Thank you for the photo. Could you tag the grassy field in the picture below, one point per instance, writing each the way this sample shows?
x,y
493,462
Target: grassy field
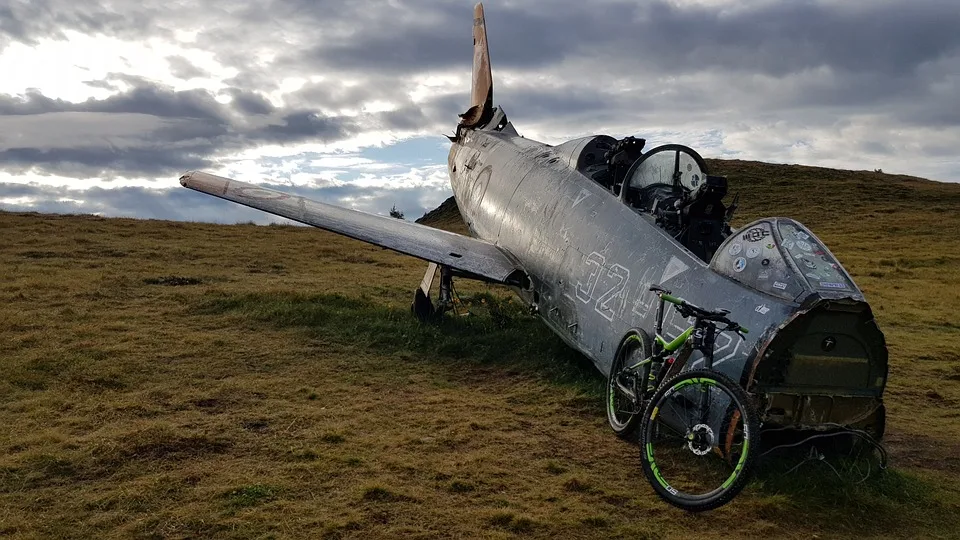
x,y
174,380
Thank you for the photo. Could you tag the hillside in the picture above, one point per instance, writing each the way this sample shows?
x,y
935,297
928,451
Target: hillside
x,y
171,380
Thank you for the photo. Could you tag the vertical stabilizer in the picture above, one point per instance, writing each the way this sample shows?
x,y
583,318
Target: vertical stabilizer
x,y
481,107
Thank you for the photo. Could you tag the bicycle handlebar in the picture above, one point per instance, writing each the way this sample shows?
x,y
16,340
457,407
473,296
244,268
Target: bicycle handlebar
x,y
687,309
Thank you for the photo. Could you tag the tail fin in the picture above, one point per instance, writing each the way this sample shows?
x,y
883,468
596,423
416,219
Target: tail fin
x,y
481,109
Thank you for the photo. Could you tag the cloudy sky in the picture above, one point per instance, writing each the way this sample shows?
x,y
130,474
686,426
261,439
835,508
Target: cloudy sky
x,y
103,103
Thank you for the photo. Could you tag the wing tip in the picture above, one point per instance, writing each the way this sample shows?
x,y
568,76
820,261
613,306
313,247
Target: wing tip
x,y
186,177
205,182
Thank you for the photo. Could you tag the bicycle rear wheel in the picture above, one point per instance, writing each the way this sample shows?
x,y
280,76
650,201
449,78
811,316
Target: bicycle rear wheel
x,y
698,440
621,401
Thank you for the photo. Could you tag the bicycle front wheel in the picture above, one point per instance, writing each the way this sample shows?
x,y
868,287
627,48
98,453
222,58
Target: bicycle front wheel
x,y
698,440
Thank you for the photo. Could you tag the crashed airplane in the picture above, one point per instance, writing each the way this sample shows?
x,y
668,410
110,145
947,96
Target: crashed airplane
x,y
581,231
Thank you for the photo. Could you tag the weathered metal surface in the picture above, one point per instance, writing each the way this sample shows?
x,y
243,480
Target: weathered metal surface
x,y
469,255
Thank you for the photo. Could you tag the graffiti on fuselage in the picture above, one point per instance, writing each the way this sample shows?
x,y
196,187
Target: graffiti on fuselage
x,y
610,303
605,286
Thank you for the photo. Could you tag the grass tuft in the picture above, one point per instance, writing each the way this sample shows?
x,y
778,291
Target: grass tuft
x,y
247,496
333,438
513,523
577,485
555,468
379,494
458,486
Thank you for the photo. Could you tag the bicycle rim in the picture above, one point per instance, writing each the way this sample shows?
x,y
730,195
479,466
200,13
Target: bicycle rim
x,y
696,440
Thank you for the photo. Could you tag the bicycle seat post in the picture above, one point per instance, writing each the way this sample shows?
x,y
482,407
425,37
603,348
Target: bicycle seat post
x,y
659,328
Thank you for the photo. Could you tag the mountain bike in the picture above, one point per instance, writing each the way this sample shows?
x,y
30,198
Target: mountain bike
x,y
696,428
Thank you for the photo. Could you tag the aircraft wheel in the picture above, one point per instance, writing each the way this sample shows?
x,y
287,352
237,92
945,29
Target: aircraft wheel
x,y
623,410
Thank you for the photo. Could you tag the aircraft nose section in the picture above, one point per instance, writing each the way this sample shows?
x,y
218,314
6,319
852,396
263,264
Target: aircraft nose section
x,y
826,365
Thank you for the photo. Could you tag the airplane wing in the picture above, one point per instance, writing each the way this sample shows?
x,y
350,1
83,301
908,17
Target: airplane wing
x,y
471,256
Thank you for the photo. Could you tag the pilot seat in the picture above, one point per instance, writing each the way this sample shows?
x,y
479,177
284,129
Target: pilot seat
x,y
671,184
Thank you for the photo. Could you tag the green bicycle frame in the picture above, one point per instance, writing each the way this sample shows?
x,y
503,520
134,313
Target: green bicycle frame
x,y
665,347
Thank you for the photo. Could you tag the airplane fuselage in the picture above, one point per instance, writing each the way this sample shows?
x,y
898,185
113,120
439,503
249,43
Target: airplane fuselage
x,y
590,258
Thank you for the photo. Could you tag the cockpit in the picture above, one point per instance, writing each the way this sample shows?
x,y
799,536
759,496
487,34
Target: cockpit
x,y
669,183
671,186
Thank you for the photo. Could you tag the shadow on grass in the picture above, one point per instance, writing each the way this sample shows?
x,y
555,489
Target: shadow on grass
x,y
496,332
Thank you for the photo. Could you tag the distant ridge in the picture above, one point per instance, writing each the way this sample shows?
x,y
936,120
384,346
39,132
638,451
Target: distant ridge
x,y
446,216
446,210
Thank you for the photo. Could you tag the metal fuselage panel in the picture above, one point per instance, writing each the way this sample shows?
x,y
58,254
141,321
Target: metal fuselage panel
x,y
591,258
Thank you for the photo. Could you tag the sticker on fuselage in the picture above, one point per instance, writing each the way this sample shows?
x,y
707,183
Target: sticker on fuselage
x,y
756,234
739,264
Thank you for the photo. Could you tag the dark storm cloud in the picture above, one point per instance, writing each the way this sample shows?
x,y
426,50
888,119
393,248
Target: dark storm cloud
x,y
845,57
182,68
302,125
771,38
28,21
180,130
161,102
32,103
780,38
146,98
94,161
250,103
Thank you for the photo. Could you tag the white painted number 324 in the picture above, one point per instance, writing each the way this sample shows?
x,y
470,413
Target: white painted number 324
x,y
611,302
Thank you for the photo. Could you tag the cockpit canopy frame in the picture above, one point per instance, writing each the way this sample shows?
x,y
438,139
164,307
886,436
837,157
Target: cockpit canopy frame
x,y
781,257
657,170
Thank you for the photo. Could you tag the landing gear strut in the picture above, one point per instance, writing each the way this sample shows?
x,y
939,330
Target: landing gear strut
x,y
422,307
